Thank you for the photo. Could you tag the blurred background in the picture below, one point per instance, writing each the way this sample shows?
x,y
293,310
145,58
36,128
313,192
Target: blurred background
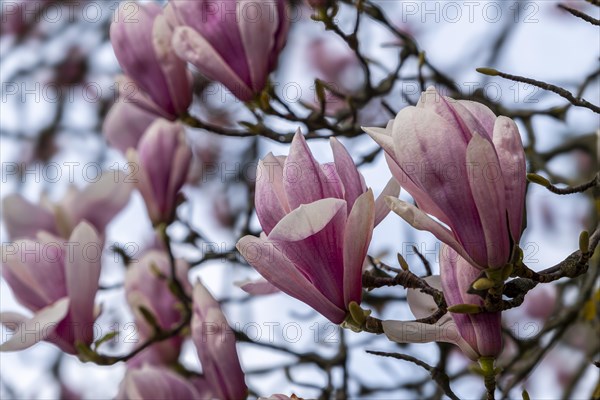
x,y
58,72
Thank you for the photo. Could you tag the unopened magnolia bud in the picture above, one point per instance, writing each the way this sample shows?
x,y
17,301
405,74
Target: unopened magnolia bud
x,y
465,309
540,180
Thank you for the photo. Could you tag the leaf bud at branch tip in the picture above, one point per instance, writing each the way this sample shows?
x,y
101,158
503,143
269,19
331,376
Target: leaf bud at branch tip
x,y
540,180
488,71
402,262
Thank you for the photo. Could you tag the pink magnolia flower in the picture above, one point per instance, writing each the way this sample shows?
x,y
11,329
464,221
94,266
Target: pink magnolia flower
x,y
163,159
57,280
477,335
98,204
146,286
233,42
318,222
223,377
141,38
464,166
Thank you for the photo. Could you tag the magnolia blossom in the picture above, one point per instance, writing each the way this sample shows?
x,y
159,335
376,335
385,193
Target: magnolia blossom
x,y
57,280
163,159
464,166
477,335
146,286
97,204
222,376
141,38
233,42
318,222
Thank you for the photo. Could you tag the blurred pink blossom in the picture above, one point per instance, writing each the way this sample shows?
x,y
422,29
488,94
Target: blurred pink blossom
x,y
57,280
97,204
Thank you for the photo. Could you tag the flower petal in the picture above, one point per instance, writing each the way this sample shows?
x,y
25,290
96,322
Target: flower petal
x,y
39,327
306,220
509,147
100,201
421,304
156,382
357,237
382,136
444,107
195,49
416,332
125,124
257,287
23,219
216,346
258,37
177,78
277,269
270,199
305,181
381,208
487,187
347,171
312,237
481,113
421,221
82,275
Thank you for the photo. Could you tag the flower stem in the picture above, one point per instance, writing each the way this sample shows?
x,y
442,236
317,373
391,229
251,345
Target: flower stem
x,y
489,375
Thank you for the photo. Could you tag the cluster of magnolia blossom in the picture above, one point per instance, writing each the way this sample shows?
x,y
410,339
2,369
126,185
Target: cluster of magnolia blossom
x,y
153,45
318,226
460,163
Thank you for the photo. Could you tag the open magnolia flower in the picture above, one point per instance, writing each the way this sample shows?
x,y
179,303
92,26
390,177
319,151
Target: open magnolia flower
x,y
477,335
97,204
57,280
318,222
464,166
